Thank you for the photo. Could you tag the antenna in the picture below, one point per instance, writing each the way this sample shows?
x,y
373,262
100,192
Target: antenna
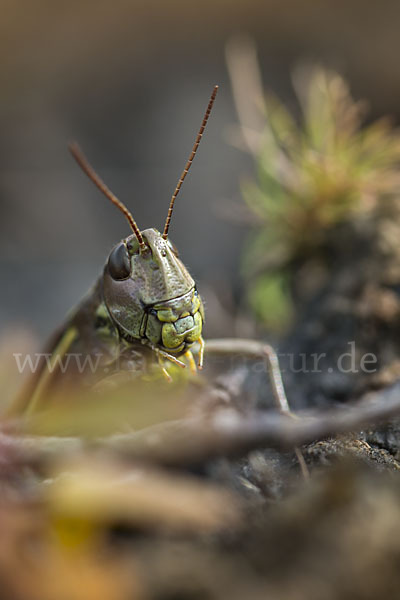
x,y
90,172
189,162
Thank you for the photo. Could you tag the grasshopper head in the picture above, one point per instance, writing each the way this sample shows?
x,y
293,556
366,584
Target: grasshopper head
x,y
150,294
147,289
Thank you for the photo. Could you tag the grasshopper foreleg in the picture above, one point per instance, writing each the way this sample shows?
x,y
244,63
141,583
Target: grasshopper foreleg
x,y
258,350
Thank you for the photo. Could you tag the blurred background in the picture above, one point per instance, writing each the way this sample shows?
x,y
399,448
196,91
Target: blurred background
x,y
290,223
130,82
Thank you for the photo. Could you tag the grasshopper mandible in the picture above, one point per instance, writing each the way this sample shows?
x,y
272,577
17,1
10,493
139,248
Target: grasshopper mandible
x,y
143,309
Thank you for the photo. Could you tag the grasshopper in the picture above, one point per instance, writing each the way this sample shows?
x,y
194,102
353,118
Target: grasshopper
x,y
144,310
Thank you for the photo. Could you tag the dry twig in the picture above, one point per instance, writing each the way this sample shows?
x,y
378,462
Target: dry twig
x,y
196,440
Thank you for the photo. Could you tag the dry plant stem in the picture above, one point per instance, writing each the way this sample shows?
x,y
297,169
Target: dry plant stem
x,y
247,89
259,350
195,441
191,441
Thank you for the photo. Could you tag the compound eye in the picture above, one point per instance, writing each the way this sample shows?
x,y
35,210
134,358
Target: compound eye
x,y
119,264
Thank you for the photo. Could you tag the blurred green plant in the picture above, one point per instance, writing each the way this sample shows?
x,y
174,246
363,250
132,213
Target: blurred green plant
x,y
312,174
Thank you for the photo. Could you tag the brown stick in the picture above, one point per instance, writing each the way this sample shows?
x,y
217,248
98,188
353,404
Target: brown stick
x,y
191,441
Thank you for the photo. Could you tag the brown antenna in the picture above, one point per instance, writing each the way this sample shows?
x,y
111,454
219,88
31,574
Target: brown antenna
x,y
90,172
189,162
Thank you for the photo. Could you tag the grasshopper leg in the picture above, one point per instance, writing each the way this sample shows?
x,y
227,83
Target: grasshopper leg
x,y
163,369
191,361
257,350
160,355
39,396
201,353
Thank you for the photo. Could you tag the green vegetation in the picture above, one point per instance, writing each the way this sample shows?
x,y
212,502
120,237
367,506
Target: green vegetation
x,y
312,174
